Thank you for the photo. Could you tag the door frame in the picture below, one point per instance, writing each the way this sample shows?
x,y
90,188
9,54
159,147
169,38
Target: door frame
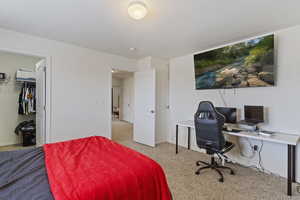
x,y
110,94
110,102
48,86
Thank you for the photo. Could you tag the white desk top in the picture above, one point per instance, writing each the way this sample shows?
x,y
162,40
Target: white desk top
x,y
282,138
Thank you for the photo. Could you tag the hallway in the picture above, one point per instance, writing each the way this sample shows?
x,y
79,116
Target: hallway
x,y
122,131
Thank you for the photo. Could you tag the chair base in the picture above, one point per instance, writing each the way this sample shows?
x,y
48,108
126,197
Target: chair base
x,y
214,166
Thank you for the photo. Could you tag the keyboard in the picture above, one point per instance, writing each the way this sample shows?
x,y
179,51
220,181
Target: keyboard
x,y
232,130
266,133
235,130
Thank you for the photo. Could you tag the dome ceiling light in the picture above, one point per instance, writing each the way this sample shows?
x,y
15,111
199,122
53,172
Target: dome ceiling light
x,y
137,10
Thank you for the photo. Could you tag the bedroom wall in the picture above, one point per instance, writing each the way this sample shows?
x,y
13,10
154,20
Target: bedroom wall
x,y
281,101
80,84
9,95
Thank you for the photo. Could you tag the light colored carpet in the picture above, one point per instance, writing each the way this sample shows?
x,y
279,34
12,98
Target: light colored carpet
x,y
122,131
247,184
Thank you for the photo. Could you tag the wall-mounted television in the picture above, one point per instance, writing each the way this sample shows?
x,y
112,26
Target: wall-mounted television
x,y
245,64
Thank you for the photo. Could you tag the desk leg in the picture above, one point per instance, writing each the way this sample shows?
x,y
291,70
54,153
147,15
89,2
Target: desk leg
x,y
189,137
176,139
290,170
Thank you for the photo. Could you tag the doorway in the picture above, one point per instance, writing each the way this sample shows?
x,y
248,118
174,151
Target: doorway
x,y
137,107
23,100
122,110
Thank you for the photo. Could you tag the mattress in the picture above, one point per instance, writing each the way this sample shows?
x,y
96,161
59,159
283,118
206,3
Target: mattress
x,y
96,168
93,168
23,175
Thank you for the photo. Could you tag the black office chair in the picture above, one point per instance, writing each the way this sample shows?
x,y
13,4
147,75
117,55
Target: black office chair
x,y
209,124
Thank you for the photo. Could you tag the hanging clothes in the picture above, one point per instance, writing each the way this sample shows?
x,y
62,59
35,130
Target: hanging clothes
x,y
27,99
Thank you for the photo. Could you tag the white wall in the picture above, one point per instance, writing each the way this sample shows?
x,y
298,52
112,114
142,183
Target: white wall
x,y
80,84
128,99
9,95
282,101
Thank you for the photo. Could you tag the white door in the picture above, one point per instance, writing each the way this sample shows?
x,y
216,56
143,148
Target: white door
x,y
144,110
40,102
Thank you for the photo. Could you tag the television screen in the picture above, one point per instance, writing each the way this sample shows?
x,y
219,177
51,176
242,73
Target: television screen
x,y
245,64
254,114
229,114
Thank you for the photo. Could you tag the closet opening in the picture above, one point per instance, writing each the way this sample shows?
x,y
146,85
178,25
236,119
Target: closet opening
x,y
122,105
22,101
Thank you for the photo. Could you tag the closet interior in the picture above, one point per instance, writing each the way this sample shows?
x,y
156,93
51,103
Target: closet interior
x,y
18,100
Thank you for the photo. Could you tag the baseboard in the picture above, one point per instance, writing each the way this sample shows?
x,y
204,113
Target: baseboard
x,y
161,141
122,120
10,144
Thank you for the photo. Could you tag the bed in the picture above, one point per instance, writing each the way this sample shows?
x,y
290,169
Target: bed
x,y
93,168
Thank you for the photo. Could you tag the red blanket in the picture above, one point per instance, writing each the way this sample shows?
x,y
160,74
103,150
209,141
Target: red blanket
x,y
96,168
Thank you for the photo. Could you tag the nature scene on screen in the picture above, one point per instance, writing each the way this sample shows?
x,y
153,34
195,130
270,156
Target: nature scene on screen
x,y
246,64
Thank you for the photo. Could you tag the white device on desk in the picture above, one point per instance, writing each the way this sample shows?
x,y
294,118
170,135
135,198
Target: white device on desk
x,y
266,133
247,126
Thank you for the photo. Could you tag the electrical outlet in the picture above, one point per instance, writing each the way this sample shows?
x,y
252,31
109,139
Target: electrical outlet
x,y
255,148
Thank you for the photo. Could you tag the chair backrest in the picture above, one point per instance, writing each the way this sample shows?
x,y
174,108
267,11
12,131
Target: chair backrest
x,y
208,125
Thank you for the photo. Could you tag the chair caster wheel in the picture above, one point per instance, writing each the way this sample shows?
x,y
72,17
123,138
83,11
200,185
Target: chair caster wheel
x,y
197,173
198,164
232,173
221,180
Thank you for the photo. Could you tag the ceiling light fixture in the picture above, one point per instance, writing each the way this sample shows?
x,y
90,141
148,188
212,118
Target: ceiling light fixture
x,y
137,10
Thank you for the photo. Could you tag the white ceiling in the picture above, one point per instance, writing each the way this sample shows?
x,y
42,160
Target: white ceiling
x,y
172,28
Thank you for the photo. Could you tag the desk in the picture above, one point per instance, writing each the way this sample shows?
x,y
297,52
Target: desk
x,y
281,138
